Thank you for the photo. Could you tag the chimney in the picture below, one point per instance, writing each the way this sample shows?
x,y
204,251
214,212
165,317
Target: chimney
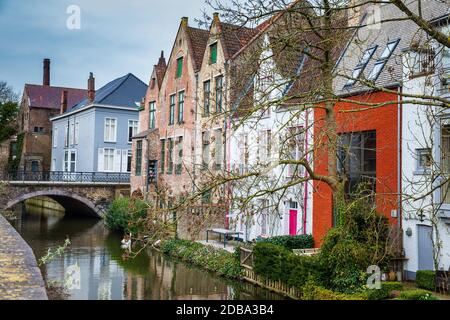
x,y
184,21
355,12
216,17
162,60
46,78
64,96
91,88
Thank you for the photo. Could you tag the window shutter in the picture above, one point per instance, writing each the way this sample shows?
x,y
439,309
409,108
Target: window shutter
x,y
124,160
117,160
101,159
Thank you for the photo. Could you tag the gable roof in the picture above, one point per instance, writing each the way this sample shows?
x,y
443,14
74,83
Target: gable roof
x,y
49,97
394,27
235,37
122,92
198,40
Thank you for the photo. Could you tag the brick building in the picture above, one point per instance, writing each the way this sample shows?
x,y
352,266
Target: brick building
x,y
40,103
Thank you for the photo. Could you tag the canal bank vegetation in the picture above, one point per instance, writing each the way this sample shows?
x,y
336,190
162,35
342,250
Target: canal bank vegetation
x,y
207,257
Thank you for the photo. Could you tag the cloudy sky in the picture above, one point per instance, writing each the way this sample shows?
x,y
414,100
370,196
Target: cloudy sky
x,y
115,37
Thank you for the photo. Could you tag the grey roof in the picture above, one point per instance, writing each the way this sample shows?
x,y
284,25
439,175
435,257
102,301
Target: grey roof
x,y
122,92
368,36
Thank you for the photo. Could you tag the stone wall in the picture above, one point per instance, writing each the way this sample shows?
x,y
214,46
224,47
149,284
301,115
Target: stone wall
x,y
20,276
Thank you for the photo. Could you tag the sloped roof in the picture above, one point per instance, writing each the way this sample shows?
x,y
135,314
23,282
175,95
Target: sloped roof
x,y
236,37
199,40
122,92
392,28
48,97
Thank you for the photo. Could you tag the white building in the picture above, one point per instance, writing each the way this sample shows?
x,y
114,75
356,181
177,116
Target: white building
x,y
257,143
425,160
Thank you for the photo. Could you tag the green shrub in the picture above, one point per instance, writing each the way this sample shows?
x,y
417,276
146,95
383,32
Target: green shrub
x,y
426,279
417,295
207,257
291,242
311,291
384,292
279,264
126,215
359,241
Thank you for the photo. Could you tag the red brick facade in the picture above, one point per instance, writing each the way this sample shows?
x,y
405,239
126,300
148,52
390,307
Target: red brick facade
x,y
383,120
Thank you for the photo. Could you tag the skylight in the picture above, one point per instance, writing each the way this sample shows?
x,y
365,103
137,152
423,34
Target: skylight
x,y
382,60
361,66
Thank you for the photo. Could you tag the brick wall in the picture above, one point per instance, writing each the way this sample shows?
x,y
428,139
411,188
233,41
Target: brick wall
x,y
384,120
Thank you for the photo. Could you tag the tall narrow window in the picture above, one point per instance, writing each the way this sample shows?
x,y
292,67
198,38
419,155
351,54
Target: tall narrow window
x,y
170,157
152,115
219,93
205,150
129,160
110,130
70,160
172,110
295,140
213,53
108,160
243,153
179,67
163,156
138,167
206,98
132,129
265,146
357,160
218,149
181,107
179,165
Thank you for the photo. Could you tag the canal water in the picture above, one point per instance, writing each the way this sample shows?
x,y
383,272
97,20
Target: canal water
x,y
93,268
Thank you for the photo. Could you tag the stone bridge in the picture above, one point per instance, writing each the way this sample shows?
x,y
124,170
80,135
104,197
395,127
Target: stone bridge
x,y
77,197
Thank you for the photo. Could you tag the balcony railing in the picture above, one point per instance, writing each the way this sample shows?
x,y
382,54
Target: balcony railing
x,y
68,177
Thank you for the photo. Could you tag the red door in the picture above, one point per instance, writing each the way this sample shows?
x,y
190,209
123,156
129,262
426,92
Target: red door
x,y
293,222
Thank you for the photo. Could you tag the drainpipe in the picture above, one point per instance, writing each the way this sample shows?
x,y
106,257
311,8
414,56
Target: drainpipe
x,y
194,173
399,155
226,126
147,170
305,203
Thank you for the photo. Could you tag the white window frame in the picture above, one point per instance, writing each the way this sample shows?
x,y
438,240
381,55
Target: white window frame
x,y
107,137
134,124
105,162
67,163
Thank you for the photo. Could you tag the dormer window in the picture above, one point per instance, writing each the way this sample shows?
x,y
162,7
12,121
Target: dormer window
x,y
368,54
382,60
213,53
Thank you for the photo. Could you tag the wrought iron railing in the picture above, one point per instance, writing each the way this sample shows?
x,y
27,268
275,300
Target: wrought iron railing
x,y
62,176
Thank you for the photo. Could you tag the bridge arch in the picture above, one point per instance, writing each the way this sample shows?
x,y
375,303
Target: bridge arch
x,y
72,202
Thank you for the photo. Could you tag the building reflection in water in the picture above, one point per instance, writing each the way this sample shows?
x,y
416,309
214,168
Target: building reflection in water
x,y
105,275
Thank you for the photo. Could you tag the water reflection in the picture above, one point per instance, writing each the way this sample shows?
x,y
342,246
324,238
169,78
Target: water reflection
x,y
105,275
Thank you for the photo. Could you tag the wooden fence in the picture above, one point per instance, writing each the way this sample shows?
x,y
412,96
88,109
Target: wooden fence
x,y
246,258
